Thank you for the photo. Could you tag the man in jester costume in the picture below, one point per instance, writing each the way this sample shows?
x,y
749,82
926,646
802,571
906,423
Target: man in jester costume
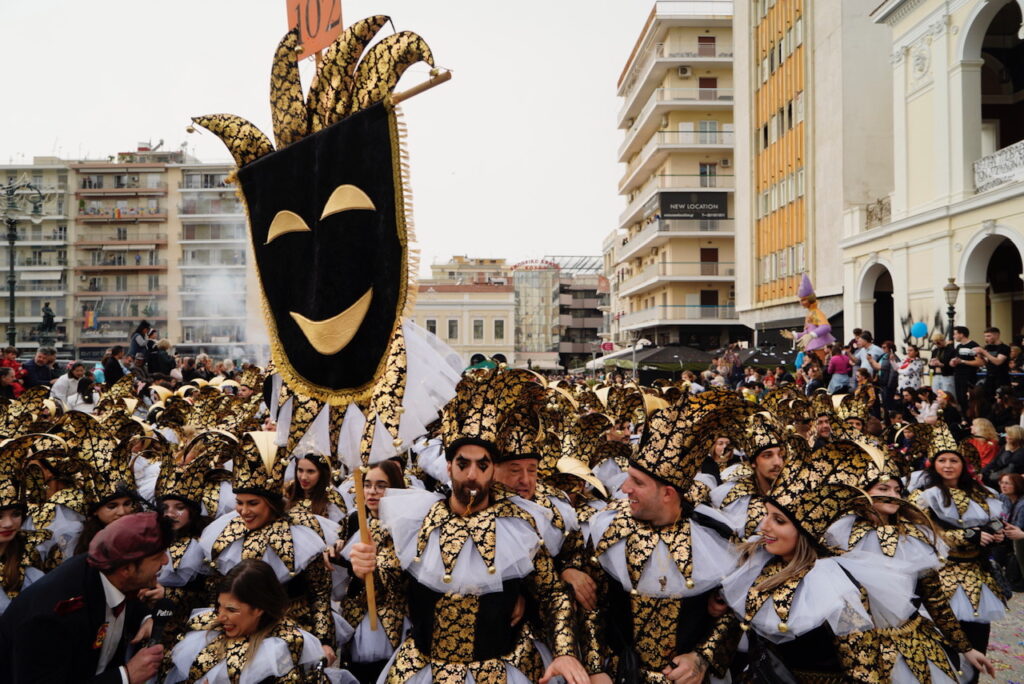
x,y
817,332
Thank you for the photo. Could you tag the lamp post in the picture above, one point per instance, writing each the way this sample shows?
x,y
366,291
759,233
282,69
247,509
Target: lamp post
x,y
13,212
951,290
638,344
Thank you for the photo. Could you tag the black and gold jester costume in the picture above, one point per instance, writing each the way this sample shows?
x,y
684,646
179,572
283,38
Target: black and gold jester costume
x,y
654,582
183,577
463,574
54,492
292,544
814,622
917,650
739,498
967,575
286,655
26,560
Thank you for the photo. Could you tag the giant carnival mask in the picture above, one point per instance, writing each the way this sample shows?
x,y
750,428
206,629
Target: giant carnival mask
x,y
327,209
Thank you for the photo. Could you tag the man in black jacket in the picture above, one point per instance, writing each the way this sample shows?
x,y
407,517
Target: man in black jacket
x,y
39,371
74,624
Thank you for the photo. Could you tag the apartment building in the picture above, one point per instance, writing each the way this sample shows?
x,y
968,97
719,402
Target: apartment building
x,y
151,234
672,260
813,95
41,271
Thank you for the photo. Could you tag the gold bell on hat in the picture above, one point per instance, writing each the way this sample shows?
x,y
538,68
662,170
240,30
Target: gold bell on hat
x,y
491,570
689,583
783,627
447,579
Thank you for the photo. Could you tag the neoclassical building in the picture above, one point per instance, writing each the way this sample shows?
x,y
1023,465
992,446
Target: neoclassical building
x,y
956,209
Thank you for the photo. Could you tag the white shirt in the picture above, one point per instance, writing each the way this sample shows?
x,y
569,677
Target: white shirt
x,y
65,388
115,627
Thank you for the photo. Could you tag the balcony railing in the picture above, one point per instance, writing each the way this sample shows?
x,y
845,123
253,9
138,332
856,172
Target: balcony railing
x,y
678,312
196,184
54,236
196,209
691,51
46,286
92,215
999,168
678,140
88,187
41,263
680,97
680,269
103,239
129,263
672,228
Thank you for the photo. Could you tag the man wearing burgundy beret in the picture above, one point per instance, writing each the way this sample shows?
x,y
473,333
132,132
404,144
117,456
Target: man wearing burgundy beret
x,y
75,624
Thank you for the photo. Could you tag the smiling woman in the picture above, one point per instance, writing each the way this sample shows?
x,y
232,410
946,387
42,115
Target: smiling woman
x,y
249,630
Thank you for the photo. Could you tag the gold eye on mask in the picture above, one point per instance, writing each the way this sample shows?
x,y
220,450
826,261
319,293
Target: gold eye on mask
x,y
285,222
346,198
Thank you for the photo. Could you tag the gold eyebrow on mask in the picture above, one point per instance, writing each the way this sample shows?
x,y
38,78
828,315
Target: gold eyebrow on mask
x,y
285,222
346,198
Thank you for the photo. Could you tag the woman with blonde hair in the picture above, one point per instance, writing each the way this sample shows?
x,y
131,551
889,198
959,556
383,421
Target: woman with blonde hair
x,y
985,439
1011,460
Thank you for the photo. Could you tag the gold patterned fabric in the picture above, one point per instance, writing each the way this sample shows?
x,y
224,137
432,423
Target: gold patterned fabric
x,y
233,651
524,657
312,609
258,467
756,510
28,558
391,603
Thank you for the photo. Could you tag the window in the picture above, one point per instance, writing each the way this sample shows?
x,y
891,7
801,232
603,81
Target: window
x,y
121,283
798,31
478,329
432,326
453,330
153,282
499,329
706,46
122,233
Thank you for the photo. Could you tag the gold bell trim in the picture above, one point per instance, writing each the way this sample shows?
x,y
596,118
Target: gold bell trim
x,y
447,579
783,627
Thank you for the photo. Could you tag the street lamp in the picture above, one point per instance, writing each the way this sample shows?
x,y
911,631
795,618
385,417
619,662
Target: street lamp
x,y
951,290
639,344
13,211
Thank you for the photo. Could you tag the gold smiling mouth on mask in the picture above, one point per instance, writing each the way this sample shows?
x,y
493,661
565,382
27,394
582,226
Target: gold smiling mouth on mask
x,y
331,335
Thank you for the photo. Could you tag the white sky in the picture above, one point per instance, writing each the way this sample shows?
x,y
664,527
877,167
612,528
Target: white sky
x,y
514,157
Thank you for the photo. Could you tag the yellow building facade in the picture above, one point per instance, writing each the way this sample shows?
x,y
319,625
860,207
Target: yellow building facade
x,y
956,206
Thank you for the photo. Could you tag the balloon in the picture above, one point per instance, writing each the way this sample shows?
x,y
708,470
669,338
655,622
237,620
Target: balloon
x,y
919,329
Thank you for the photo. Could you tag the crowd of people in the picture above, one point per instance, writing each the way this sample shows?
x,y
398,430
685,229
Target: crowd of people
x,y
730,525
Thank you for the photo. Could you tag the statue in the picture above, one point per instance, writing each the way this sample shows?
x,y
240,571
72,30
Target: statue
x,y
817,332
48,326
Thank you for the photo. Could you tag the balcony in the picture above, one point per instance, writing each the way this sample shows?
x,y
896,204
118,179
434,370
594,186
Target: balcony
x,y
678,314
663,100
650,67
47,264
53,237
86,290
126,265
223,207
122,215
567,321
999,168
129,189
678,271
663,143
661,231
37,289
192,263
682,182
197,184
99,240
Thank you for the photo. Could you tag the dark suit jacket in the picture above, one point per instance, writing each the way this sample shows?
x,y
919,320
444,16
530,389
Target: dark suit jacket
x,y
48,632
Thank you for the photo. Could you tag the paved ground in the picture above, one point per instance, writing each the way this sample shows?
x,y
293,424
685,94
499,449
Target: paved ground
x,y
1006,645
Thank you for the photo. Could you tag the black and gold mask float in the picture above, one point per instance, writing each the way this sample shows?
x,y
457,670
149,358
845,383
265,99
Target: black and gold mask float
x,y
327,211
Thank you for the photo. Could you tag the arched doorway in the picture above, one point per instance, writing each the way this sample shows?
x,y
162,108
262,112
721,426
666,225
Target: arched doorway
x,y
992,287
876,306
1002,78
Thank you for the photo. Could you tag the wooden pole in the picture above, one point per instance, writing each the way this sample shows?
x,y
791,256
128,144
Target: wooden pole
x,y
437,80
364,537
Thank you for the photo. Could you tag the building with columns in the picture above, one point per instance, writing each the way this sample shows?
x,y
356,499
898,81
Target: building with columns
x,y
955,209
